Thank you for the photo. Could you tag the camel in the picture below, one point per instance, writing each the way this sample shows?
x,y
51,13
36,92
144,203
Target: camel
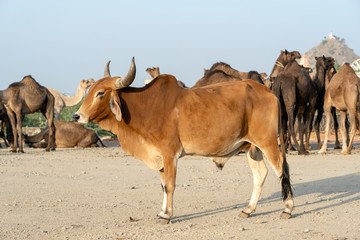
x,y
228,70
62,101
342,92
154,72
67,135
322,65
24,97
223,72
297,96
284,58
5,123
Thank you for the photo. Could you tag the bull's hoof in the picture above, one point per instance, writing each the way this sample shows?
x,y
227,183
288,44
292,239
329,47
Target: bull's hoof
x,y
285,215
13,150
164,218
21,151
244,214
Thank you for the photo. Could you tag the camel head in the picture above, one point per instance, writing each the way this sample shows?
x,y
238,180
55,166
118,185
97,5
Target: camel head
x,y
85,84
288,56
324,62
154,71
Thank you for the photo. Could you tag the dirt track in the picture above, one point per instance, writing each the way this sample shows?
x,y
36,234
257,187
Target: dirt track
x,y
92,193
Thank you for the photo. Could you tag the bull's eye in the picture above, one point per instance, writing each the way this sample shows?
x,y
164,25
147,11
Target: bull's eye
x,y
99,94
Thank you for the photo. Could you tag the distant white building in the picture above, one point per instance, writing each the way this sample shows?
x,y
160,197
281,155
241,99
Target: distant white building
x,y
331,36
356,66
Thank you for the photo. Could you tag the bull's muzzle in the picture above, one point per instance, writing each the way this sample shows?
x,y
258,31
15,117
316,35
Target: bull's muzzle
x,y
76,117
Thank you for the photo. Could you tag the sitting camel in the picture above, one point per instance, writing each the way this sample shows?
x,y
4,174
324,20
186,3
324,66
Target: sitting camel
x,y
62,101
343,93
227,70
67,135
24,97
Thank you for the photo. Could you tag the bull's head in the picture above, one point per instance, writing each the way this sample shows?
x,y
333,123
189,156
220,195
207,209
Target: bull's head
x,y
103,98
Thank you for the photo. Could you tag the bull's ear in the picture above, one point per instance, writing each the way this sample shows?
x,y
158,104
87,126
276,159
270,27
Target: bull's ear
x,y
115,106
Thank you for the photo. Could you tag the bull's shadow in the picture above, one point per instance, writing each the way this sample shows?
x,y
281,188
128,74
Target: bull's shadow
x,y
345,187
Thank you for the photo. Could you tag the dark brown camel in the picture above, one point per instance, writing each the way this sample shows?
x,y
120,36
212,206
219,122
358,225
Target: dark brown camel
x,y
24,97
67,135
5,124
322,65
284,58
343,93
223,72
297,95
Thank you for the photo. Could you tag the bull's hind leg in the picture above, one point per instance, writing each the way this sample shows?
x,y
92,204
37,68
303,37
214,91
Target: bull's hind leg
x,y
281,168
259,171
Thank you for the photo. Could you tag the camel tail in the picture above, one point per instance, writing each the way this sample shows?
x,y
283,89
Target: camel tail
x,y
285,176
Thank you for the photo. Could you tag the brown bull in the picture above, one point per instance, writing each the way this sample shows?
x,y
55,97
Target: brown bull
x,y
162,122
67,135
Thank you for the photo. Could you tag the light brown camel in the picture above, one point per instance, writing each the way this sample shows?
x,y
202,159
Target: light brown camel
x,y
67,135
154,72
62,101
342,92
24,97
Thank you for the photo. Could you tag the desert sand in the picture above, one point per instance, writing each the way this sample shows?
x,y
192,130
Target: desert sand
x,y
103,193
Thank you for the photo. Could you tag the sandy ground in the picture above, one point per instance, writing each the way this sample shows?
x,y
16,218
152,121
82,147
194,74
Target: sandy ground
x,y
92,193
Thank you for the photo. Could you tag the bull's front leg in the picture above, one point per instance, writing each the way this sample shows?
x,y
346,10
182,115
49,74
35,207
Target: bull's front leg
x,y
168,176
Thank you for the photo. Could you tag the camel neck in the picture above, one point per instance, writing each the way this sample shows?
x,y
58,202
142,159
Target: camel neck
x,y
320,77
71,101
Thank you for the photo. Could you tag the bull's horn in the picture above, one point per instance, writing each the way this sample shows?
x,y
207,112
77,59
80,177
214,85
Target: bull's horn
x,y
129,78
107,71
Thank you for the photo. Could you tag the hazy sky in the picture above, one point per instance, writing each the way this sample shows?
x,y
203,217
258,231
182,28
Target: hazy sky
x,y
61,42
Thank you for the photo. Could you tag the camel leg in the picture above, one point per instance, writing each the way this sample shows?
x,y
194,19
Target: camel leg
x,y
259,171
327,112
19,130
336,128
352,119
317,125
343,131
49,115
12,119
168,176
290,112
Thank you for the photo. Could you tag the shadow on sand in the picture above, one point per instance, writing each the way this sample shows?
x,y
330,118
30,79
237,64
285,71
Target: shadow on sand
x,y
333,192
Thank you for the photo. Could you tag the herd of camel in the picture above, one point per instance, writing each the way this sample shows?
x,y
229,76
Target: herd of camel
x,y
302,96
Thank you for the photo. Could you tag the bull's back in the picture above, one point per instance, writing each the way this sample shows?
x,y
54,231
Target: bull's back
x,y
216,119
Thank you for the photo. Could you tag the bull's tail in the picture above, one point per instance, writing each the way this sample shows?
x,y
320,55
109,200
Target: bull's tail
x,y
102,145
285,176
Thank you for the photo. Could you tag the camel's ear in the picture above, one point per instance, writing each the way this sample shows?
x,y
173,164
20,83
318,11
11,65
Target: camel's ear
x,y
316,58
324,57
115,106
286,51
